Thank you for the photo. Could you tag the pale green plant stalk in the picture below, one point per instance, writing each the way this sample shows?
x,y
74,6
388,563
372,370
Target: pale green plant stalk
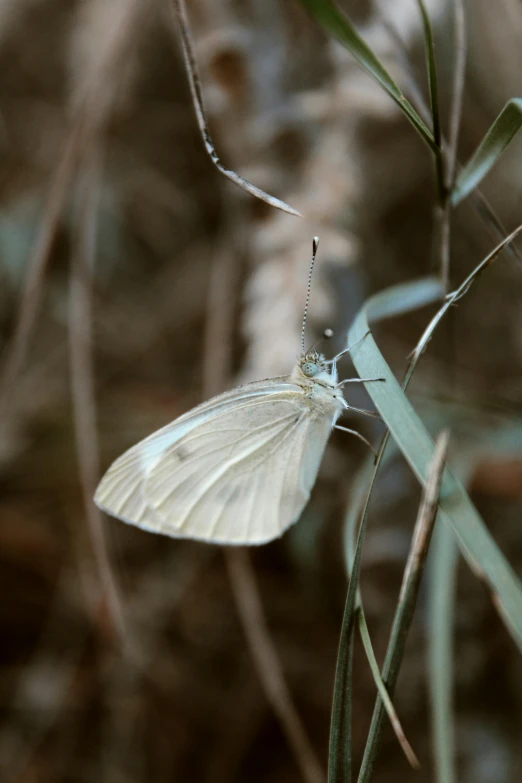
x,y
441,596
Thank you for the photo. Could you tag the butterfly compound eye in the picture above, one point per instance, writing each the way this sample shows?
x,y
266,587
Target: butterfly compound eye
x,y
310,369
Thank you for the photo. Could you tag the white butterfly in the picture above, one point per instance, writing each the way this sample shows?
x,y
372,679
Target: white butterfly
x,y
237,469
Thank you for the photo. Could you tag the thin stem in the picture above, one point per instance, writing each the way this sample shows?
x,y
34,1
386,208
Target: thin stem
x,y
340,742
340,747
442,208
443,573
443,221
452,147
381,687
339,750
454,298
434,101
407,599
459,73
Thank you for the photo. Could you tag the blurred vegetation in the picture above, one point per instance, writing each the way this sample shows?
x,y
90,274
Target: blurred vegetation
x,y
135,280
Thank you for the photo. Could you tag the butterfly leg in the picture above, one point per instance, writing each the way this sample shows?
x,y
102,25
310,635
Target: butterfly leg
x,y
357,435
373,414
359,380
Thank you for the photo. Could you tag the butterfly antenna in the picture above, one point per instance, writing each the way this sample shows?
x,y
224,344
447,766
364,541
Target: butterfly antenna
x,y
315,245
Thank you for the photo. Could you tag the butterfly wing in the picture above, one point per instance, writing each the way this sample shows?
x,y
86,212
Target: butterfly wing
x,y
238,469
120,491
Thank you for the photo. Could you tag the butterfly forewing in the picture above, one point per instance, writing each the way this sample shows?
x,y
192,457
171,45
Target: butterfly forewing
x,y
210,483
238,469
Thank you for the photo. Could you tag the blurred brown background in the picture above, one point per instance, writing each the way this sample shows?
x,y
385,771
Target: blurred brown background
x,y
123,655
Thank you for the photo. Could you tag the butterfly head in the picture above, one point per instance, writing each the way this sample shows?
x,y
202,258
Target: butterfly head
x,y
312,363
314,367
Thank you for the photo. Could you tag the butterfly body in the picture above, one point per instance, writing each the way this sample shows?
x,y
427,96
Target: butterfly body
x,y
237,469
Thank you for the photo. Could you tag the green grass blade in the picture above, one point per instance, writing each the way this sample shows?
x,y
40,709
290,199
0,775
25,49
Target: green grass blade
x,y
340,744
442,577
434,94
501,133
412,438
425,292
337,24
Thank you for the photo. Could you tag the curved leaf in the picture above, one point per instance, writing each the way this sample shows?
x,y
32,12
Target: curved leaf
x,y
408,431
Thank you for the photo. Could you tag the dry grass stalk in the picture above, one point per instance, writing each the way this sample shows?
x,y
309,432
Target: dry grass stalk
x,y
268,664
94,99
218,351
82,381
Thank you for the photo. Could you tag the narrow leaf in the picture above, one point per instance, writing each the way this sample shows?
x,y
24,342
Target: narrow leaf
x,y
460,43
339,26
501,133
340,745
434,95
